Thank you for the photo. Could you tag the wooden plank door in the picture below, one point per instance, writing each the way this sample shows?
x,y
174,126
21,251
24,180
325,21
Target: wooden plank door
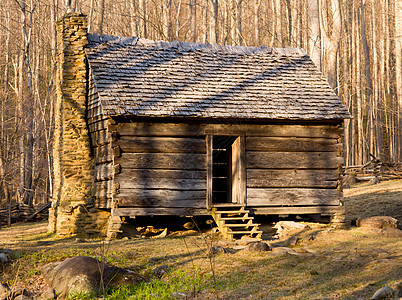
x,y
238,177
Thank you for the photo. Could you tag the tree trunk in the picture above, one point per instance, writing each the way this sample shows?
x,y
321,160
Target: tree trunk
x,y
315,33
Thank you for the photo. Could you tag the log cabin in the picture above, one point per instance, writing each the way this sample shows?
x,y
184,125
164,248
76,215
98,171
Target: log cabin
x,y
173,128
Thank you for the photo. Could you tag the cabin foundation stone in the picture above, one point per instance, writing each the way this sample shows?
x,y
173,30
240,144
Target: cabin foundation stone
x,y
72,210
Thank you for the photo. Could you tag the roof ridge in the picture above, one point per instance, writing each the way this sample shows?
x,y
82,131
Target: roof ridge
x,y
95,39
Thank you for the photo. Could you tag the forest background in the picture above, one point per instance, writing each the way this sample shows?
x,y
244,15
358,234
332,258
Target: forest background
x,y
357,44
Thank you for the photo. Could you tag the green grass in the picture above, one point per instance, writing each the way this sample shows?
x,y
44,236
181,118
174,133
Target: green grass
x,y
176,281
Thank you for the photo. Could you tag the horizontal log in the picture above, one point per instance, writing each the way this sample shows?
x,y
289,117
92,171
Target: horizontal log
x,y
105,153
161,198
292,196
160,183
178,129
140,174
99,125
104,189
290,144
258,178
151,211
101,137
104,172
296,210
292,160
158,196
162,161
161,145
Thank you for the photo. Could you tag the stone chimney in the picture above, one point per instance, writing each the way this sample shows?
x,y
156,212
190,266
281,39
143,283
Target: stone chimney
x,y
72,210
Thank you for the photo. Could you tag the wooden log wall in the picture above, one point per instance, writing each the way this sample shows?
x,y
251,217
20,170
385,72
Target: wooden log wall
x,y
160,169
103,151
294,170
163,165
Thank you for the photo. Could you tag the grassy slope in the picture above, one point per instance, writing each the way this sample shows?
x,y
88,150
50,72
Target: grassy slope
x,y
340,263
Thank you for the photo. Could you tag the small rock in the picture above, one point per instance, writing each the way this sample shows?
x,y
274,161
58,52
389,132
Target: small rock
x,y
180,295
293,240
152,260
48,294
22,297
162,234
189,225
216,249
257,247
284,250
383,293
3,288
161,270
245,240
374,180
392,233
239,247
125,238
79,240
380,222
3,258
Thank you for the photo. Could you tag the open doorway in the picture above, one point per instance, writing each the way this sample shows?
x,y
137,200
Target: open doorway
x,y
227,170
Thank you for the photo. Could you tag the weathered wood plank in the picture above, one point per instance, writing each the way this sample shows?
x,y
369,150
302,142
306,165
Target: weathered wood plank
x,y
289,144
209,142
150,211
292,160
104,172
178,129
161,145
258,178
101,137
105,153
292,196
101,124
141,174
295,210
161,183
140,202
104,189
162,161
161,198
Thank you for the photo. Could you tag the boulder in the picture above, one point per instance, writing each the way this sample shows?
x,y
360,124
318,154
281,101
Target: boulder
x,y
48,294
378,222
82,274
257,247
161,271
287,227
3,258
383,293
3,289
392,233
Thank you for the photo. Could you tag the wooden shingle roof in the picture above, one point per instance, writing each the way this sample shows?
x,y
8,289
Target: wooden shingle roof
x,y
142,78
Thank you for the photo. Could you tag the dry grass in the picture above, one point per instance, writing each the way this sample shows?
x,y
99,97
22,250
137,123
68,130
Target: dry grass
x,y
339,264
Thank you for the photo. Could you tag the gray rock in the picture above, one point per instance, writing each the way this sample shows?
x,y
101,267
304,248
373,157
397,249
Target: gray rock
x,y
257,247
22,297
161,270
48,294
3,288
383,293
3,258
284,250
79,240
180,295
82,274
293,240
378,222
216,249
374,180
152,260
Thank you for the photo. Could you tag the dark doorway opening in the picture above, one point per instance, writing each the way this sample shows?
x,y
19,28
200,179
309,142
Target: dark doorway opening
x,y
222,168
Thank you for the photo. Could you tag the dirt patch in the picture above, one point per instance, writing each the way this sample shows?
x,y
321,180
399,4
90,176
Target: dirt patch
x,y
383,199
